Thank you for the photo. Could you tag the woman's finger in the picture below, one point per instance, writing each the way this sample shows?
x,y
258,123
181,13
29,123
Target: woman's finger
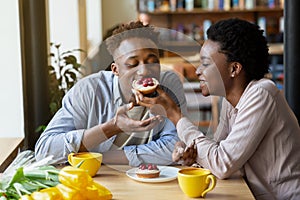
x,y
138,96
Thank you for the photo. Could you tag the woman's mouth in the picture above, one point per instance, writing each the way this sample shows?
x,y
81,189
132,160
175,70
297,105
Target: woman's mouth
x,y
202,81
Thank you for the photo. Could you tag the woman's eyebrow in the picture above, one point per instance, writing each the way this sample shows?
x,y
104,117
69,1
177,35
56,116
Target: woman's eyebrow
x,y
205,58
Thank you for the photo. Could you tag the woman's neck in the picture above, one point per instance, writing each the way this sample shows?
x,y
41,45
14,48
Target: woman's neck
x,y
235,93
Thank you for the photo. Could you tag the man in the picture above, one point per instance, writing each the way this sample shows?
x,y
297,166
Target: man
x,y
97,115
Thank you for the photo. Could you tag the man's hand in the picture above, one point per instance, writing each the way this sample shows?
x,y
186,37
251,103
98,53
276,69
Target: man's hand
x,y
127,124
185,155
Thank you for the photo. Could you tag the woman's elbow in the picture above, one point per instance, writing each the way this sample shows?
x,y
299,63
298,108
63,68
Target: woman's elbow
x,y
222,173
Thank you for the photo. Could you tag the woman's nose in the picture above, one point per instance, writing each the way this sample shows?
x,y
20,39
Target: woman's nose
x,y
199,70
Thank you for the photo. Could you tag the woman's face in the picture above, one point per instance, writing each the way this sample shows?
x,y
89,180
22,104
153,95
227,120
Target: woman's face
x,y
135,58
213,72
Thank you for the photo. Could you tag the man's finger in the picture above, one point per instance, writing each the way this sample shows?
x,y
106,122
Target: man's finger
x,y
125,108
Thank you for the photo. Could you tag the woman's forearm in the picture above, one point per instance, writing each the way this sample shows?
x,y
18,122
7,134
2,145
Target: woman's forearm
x,y
174,114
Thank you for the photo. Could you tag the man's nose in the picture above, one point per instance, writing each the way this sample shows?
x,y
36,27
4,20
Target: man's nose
x,y
142,70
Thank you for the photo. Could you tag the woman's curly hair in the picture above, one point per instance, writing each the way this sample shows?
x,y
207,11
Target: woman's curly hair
x,y
130,30
242,42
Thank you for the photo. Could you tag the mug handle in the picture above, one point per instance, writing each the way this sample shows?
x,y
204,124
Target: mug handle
x,y
70,158
212,180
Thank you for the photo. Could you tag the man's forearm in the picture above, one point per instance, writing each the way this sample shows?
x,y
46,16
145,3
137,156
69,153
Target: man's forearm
x,y
98,134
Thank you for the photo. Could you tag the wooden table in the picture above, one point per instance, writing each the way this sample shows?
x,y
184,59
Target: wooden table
x,y
122,187
8,150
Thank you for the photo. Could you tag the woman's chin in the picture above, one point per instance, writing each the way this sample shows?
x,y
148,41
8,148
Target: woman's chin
x,y
204,91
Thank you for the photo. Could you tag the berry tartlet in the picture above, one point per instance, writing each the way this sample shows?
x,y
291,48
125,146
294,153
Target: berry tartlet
x,y
145,85
147,171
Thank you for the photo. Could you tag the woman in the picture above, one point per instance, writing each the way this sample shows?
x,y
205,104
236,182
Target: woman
x,y
258,133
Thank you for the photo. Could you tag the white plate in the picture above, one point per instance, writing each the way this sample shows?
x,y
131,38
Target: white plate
x,y
166,174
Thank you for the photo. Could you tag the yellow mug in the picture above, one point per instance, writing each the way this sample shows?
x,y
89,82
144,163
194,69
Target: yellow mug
x,y
90,161
196,182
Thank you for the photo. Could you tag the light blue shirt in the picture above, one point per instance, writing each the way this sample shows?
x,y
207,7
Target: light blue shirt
x,y
95,100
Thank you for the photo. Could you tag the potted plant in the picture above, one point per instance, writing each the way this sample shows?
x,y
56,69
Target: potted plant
x,y
64,72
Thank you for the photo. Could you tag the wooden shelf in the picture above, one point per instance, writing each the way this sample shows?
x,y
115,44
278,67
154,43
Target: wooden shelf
x,y
191,24
180,48
276,48
197,16
206,11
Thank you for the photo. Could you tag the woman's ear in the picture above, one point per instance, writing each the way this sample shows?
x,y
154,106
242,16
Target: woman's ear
x,y
235,69
115,68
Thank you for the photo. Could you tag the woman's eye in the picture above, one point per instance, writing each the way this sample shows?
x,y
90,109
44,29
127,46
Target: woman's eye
x,y
205,62
204,65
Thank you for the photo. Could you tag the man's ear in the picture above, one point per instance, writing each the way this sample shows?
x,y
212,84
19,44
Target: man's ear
x,y
235,68
115,68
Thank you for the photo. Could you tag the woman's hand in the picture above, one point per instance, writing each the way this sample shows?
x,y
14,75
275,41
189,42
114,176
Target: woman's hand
x,y
185,156
160,105
178,151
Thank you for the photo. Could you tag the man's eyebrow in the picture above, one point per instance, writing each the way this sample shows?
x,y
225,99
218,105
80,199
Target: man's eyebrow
x,y
132,57
152,55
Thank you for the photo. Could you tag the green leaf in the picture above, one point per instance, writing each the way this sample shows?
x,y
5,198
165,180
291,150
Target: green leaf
x,y
40,129
77,66
17,177
72,74
53,107
57,46
70,60
20,189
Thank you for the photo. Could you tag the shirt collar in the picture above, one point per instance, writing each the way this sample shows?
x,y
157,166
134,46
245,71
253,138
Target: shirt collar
x,y
117,98
244,93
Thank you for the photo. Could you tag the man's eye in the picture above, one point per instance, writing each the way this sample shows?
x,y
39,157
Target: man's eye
x,y
131,64
153,64
153,60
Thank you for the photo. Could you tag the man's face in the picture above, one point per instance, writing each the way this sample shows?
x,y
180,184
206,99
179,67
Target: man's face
x,y
213,70
135,58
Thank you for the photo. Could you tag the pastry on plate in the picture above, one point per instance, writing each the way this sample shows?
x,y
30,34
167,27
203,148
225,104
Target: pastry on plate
x,y
147,171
